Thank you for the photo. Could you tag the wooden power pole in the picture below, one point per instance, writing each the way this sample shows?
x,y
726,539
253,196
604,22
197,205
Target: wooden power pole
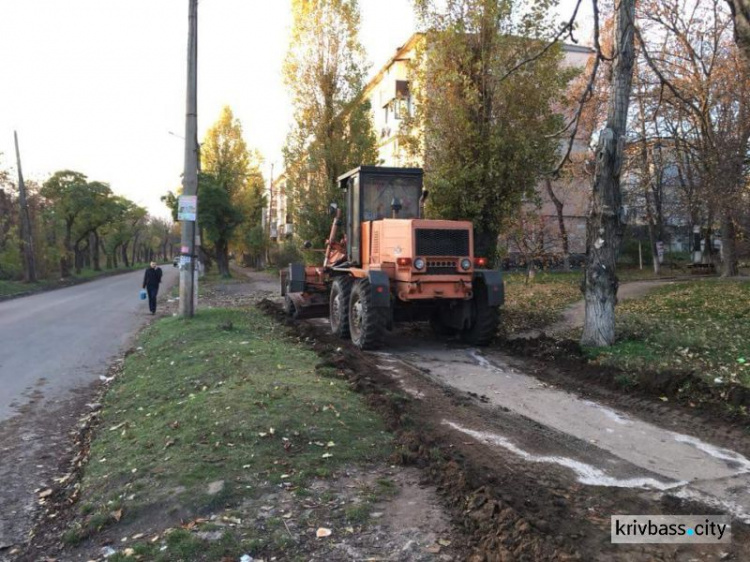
x,y
190,174
27,239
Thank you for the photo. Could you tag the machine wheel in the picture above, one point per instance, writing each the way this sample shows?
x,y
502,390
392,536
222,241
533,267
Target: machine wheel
x,y
367,323
486,320
341,291
289,308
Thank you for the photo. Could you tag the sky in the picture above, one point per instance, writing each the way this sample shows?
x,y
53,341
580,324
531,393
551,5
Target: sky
x,y
98,86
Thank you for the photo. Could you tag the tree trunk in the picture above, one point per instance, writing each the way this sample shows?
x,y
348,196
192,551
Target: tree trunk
x,y
560,224
730,266
124,251
222,258
741,16
77,258
95,251
485,246
652,235
67,251
604,229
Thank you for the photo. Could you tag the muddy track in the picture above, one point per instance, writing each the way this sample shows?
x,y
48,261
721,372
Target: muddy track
x,y
509,508
717,411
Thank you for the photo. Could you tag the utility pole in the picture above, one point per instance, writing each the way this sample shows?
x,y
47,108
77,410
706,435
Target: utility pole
x,y
27,239
190,174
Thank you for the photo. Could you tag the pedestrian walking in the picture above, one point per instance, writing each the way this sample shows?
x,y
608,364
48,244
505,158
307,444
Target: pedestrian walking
x,y
151,281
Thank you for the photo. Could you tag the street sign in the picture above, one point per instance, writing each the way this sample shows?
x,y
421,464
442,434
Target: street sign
x,y
187,208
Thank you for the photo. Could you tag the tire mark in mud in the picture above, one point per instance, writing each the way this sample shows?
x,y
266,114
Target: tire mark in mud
x,y
509,508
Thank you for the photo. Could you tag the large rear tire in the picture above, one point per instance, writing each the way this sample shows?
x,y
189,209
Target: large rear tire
x,y
367,323
486,320
338,309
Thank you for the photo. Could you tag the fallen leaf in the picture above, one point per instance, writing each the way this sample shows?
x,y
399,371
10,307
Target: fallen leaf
x,y
327,455
323,532
46,493
664,399
444,542
117,515
433,549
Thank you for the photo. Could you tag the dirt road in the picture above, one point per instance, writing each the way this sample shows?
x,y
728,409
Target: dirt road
x,y
562,463
53,349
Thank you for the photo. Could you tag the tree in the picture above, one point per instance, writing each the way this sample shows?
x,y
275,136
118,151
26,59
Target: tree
x,y
485,90
230,191
69,193
740,10
332,132
605,225
704,82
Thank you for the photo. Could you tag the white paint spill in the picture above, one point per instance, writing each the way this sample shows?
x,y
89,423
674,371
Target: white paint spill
x,y
611,414
712,501
481,360
716,452
586,473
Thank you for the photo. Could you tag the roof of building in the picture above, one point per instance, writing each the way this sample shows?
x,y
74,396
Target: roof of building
x,y
414,39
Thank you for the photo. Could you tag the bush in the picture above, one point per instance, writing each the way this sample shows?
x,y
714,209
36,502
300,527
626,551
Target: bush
x,y
11,264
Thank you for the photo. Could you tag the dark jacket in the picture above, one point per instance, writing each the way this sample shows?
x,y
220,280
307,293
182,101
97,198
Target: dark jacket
x,y
152,277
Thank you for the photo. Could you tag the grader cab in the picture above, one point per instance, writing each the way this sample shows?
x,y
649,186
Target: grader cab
x,y
384,263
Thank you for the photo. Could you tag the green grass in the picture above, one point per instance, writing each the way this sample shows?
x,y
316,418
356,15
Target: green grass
x,y
701,326
11,288
196,404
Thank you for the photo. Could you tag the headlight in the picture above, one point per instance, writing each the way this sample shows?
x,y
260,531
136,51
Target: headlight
x,y
419,263
466,264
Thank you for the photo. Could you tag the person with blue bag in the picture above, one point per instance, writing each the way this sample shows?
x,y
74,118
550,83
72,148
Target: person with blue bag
x,y
151,281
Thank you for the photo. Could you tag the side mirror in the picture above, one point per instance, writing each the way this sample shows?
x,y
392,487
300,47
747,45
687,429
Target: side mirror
x,y
307,245
422,199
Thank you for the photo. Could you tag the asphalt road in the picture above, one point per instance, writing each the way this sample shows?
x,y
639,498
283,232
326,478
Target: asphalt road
x,y
62,339
53,348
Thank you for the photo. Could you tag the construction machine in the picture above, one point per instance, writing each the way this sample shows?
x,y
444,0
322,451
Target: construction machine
x,y
384,263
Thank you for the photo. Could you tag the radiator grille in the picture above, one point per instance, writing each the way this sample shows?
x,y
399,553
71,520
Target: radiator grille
x,y
442,242
376,243
441,267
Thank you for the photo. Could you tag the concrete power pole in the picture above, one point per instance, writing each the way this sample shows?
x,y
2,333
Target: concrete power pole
x,y
27,239
190,174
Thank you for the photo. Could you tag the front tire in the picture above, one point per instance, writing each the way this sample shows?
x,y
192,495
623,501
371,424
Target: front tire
x,y
367,323
338,308
486,320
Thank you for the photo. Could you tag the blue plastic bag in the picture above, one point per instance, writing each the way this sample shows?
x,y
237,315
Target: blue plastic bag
x,y
143,294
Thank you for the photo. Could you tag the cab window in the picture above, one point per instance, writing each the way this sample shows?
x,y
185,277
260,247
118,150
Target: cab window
x,y
379,192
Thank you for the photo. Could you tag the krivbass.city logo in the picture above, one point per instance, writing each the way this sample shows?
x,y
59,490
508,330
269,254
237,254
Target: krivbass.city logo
x,y
629,529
